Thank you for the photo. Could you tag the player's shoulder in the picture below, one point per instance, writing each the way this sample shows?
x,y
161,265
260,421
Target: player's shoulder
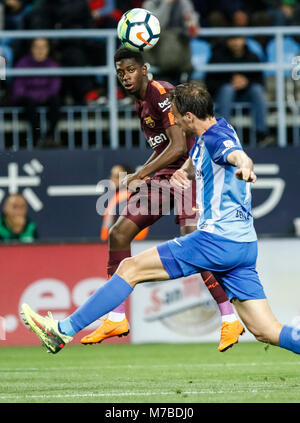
x,y
221,132
220,140
160,88
157,96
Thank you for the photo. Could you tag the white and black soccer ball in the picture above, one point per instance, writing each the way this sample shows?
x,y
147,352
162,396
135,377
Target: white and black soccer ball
x,y
138,29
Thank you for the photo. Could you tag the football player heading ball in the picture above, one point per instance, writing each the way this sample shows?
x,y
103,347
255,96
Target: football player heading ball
x,y
170,151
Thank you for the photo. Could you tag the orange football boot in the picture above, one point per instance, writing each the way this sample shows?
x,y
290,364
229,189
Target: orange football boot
x,y
107,330
230,332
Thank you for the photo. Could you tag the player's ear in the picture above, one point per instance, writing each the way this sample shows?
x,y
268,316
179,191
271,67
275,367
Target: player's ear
x,y
144,70
189,116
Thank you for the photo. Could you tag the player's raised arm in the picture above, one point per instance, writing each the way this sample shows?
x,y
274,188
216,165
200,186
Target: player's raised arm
x,y
244,164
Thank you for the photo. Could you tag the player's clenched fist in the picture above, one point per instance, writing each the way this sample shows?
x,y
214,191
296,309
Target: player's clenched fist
x,y
245,174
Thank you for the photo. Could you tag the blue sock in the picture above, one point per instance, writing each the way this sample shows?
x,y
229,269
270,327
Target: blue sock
x,y
105,299
289,339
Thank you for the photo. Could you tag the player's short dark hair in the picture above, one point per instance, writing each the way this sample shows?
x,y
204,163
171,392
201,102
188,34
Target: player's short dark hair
x,y
193,97
125,53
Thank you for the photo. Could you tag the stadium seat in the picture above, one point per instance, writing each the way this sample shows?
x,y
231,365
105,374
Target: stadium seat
x,y
256,48
201,54
290,49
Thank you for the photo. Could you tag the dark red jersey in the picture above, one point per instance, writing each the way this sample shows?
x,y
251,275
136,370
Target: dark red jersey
x,y
155,116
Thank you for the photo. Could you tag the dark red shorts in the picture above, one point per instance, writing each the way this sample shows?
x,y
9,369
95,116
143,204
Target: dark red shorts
x,y
157,198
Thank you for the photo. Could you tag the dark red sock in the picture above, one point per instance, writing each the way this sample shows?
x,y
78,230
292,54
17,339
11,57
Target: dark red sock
x,y
217,292
114,259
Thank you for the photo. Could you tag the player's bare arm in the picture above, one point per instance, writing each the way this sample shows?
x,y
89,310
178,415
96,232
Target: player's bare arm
x,y
244,164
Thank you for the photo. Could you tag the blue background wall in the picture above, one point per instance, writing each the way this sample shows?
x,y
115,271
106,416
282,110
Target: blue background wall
x,y
68,217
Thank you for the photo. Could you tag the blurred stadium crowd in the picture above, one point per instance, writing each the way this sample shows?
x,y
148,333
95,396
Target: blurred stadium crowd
x,y
186,16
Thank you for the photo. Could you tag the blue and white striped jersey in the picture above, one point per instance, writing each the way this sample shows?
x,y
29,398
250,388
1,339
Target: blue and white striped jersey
x,y
224,201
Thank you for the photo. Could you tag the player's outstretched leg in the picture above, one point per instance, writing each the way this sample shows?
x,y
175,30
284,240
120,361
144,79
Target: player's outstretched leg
x,y
46,328
115,324
54,334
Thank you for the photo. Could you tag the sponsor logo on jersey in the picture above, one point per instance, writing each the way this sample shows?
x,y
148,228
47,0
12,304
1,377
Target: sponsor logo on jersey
x,y
228,144
149,121
165,105
158,139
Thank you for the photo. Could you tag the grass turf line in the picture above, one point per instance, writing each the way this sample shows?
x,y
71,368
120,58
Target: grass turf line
x,y
149,373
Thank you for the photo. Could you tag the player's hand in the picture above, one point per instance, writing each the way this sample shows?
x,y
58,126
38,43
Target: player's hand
x,y
133,181
128,179
245,174
180,179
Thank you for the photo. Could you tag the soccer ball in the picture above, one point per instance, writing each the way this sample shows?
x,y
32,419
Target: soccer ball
x,y
138,29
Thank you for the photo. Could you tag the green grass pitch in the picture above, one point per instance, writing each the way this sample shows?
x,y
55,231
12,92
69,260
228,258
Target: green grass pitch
x,y
151,373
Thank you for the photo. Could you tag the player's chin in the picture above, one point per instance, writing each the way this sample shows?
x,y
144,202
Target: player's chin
x,y
131,89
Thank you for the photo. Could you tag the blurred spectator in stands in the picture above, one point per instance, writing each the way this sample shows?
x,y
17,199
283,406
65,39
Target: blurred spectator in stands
x,y
256,11
72,14
105,13
15,11
35,91
221,13
239,86
175,14
179,22
246,12
117,201
272,12
15,225
281,12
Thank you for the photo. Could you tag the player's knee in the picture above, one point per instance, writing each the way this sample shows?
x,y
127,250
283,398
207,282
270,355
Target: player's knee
x,y
128,271
266,335
117,238
261,337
